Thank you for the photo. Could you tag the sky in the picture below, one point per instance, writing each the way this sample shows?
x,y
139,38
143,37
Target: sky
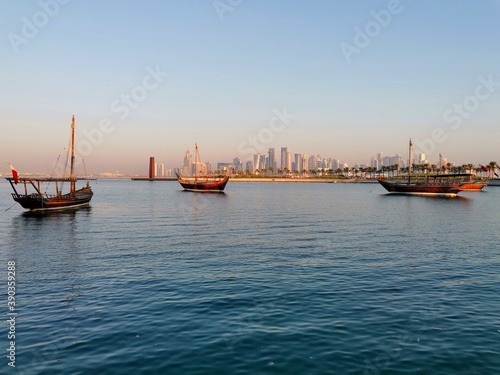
x,y
340,79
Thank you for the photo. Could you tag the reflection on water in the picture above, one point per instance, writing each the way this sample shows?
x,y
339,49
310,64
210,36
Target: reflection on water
x,y
153,279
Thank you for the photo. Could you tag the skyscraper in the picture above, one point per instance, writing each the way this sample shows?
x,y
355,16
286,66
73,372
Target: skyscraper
x,y
161,170
187,164
298,162
237,165
284,158
271,163
257,161
151,167
289,161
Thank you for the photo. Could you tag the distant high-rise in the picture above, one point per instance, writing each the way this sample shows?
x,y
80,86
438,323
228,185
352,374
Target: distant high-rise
x,y
298,162
312,163
422,159
152,167
249,166
187,164
289,161
284,158
305,164
271,162
259,162
161,170
237,165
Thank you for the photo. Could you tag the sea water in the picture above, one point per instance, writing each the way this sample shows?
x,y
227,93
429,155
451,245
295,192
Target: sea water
x,y
268,278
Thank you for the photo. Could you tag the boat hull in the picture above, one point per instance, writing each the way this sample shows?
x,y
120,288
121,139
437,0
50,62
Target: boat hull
x,y
472,186
35,202
204,186
432,189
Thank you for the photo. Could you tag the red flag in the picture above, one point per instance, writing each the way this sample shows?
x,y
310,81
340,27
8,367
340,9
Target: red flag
x,y
15,175
484,168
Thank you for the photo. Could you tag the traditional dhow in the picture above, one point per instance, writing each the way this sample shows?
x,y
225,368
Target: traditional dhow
x,y
473,185
203,184
422,187
34,198
434,185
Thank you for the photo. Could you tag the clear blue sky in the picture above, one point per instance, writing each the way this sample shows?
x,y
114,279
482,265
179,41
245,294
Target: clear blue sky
x,y
223,73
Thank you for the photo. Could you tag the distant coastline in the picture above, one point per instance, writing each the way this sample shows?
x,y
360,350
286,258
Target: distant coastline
x,y
275,179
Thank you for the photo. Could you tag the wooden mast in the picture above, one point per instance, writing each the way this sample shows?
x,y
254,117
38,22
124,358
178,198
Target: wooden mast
x,y
72,171
409,162
196,162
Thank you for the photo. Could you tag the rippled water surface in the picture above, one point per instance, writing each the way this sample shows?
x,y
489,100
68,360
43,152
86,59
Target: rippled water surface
x,y
269,278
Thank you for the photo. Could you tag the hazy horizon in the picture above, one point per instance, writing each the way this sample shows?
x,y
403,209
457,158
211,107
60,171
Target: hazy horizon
x,y
338,79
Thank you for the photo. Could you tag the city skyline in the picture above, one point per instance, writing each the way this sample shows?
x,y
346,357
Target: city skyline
x,y
285,164
331,78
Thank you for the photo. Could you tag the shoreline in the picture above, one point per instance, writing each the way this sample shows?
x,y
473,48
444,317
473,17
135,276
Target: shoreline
x,y
275,179
306,180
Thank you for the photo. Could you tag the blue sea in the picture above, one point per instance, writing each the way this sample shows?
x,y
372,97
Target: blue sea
x,y
268,278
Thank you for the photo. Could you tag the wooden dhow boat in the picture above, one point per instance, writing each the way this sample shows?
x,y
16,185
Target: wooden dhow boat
x,y
202,184
433,185
33,198
473,185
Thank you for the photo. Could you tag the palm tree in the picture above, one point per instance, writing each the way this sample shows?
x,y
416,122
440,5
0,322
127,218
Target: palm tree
x,y
478,170
271,170
433,167
492,165
449,166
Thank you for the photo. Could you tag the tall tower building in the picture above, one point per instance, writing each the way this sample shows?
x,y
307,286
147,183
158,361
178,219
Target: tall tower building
x,y
256,162
151,167
249,166
187,164
271,163
237,165
289,161
284,158
298,163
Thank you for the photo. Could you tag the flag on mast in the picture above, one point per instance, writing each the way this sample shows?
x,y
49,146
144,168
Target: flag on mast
x,y
15,175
